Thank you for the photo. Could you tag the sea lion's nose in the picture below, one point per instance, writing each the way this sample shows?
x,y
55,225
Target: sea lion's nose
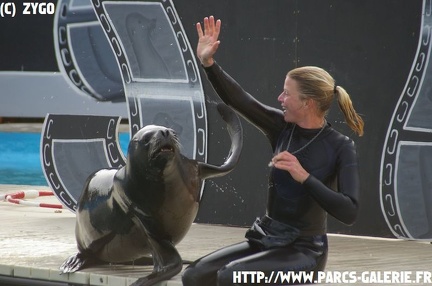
x,y
165,133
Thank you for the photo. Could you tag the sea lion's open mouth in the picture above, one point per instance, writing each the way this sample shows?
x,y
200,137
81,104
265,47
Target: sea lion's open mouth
x,y
166,148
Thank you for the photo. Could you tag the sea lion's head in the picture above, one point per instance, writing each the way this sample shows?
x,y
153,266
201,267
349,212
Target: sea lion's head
x,y
152,147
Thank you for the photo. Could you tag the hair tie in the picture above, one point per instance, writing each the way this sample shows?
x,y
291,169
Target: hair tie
x,y
335,89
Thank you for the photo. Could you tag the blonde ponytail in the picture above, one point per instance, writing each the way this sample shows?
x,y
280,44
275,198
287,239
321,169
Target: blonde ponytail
x,y
354,121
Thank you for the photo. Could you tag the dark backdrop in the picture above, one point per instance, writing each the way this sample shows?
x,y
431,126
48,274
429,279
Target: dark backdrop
x,y
368,46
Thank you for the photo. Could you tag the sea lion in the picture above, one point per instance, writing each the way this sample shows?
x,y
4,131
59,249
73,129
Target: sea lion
x,y
147,206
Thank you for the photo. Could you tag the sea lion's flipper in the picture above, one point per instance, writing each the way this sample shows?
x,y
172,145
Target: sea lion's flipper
x,y
84,257
167,263
74,263
235,131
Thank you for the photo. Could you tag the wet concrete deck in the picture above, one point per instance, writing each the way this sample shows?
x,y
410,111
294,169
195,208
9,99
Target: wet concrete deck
x,y
34,241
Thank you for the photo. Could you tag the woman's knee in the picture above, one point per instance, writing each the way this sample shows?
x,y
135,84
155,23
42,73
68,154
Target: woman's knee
x,y
198,275
204,270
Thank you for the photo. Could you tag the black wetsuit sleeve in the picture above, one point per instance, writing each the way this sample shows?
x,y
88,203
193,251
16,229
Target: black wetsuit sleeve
x,y
267,119
343,203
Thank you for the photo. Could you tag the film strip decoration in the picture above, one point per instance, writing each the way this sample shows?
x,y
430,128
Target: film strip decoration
x,y
159,80
405,200
159,71
83,53
73,147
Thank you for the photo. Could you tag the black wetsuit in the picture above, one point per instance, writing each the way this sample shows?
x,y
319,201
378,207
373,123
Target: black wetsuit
x,y
297,212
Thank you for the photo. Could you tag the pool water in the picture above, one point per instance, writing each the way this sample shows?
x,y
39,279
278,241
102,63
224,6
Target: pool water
x,y
20,158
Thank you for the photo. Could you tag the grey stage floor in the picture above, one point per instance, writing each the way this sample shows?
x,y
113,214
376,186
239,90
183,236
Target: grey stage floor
x,y
34,242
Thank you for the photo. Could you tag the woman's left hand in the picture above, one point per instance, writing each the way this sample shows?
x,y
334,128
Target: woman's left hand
x,y
288,162
208,42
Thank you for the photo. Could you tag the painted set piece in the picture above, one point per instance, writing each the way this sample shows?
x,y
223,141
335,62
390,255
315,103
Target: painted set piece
x,y
147,206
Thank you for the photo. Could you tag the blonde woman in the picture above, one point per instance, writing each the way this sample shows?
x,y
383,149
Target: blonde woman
x,y
309,157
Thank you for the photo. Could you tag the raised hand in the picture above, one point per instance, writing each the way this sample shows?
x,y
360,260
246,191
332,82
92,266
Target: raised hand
x,y
208,41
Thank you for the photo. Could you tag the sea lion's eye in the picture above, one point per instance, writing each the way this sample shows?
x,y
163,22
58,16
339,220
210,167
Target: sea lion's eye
x,y
145,140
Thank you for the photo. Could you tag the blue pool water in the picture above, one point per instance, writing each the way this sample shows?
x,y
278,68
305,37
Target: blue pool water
x,y
20,158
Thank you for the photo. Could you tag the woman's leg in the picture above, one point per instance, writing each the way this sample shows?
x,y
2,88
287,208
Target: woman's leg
x,y
304,255
204,270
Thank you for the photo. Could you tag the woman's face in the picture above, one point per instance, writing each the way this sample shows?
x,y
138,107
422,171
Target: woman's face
x,y
292,105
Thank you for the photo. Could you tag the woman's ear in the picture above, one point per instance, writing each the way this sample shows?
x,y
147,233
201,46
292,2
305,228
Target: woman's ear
x,y
307,103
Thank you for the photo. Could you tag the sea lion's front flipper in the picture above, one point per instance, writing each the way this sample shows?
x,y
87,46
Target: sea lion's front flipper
x,y
167,263
235,131
74,263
